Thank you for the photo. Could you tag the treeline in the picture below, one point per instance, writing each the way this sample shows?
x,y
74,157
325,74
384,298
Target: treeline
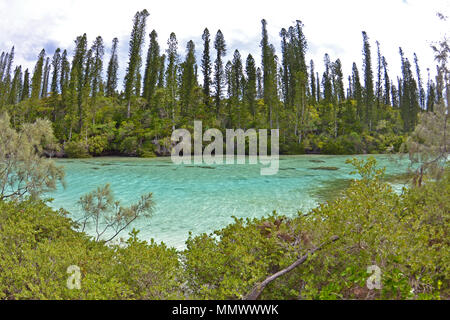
x,y
161,91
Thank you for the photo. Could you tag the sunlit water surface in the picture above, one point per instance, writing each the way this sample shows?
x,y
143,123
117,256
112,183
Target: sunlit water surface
x,y
201,199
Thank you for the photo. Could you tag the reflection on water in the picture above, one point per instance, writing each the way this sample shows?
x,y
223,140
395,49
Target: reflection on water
x,y
204,198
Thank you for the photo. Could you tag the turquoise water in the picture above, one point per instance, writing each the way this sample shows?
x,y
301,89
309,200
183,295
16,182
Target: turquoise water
x,y
204,198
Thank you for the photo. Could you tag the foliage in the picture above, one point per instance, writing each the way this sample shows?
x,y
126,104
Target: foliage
x,y
76,149
37,245
108,217
23,172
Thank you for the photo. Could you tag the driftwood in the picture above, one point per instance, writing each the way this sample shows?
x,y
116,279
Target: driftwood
x,y
259,288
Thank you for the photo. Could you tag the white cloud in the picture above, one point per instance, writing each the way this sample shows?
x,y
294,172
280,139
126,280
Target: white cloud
x,y
332,27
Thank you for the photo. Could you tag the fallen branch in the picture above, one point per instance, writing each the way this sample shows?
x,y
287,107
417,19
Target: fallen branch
x,y
259,288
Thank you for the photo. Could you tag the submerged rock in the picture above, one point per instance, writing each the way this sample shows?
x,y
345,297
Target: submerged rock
x,y
317,161
325,168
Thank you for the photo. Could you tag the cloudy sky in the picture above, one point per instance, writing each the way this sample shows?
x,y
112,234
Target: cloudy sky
x,y
332,27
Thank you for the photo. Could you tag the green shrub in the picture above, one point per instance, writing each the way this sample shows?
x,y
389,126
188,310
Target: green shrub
x,y
97,145
76,150
37,245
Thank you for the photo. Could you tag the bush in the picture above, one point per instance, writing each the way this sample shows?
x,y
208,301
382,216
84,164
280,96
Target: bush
x,y
37,245
76,150
97,145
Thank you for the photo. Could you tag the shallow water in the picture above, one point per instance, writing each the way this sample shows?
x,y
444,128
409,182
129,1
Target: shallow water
x,y
204,198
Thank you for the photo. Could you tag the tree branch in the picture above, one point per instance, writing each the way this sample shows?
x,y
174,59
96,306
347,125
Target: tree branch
x,y
259,288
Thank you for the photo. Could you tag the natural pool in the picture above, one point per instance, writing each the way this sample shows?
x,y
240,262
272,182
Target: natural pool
x,y
204,198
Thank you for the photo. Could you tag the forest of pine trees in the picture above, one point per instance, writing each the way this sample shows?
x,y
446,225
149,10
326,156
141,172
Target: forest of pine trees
x,y
370,113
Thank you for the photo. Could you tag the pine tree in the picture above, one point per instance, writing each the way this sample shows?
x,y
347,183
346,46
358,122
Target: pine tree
x,y
379,85
431,93
152,67
112,72
285,66
56,66
387,82
259,83
357,91
77,82
236,87
26,86
270,70
132,77
220,46
188,80
36,82
2,65
394,95
327,81
251,84
45,79
369,112
98,51
206,66
420,83
16,87
319,94
64,77
338,81
313,83
171,75
6,79
409,101
162,71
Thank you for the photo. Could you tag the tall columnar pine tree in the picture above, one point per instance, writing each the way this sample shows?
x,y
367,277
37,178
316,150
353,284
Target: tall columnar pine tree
x,y
77,84
5,76
16,87
26,86
56,66
206,66
152,68
36,82
251,86
313,84
188,81
171,76
112,72
395,95
338,81
327,81
64,77
269,69
357,91
379,84
219,75
409,97
369,112
98,51
237,82
132,78
319,93
56,69
431,93
162,71
285,67
421,90
46,77
339,93
387,83
229,87
259,83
